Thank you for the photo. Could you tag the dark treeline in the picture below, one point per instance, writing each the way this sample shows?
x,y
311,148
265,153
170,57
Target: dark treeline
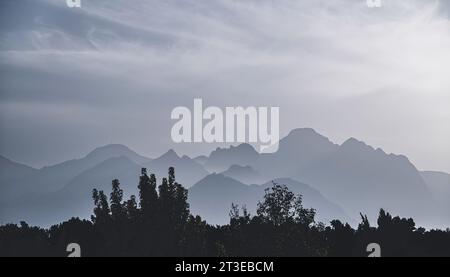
x,y
159,223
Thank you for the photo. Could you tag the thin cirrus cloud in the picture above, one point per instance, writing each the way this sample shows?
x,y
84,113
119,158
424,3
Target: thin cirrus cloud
x,y
112,71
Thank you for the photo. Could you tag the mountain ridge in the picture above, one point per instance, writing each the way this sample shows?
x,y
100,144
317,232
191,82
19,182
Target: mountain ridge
x,y
212,197
338,172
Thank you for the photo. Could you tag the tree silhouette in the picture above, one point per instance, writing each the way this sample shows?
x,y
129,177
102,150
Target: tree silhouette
x,y
117,208
302,215
173,201
101,210
340,239
131,208
365,224
280,206
173,210
161,225
148,195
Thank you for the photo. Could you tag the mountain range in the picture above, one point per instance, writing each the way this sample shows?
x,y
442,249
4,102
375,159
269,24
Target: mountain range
x,y
339,181
220,191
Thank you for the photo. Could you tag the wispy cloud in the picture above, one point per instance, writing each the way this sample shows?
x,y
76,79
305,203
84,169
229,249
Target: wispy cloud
x,y
338,66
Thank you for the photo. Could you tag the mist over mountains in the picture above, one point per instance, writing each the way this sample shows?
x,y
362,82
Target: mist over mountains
x,y
339,181
211,197
439,184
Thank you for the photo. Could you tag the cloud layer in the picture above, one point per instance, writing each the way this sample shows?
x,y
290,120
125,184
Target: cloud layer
x,y
112,71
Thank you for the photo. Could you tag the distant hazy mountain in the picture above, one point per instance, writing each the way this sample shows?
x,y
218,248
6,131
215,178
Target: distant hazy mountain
x,y
439,184
11,175
75,199
9,169
27,185
355,175
187,171
212,198
312,198
53,178
58,192
201,159
101,175
222,158
115,150
72,183
244,174
297,151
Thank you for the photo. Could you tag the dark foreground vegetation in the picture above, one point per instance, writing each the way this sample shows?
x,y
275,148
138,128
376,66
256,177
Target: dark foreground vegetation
x,y
159,224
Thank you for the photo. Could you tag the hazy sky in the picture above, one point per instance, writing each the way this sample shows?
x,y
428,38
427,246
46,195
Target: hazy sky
x,y
112,71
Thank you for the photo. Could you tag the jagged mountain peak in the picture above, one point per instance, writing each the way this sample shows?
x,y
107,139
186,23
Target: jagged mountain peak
x,y
222,158
355,144
169,155
306,139
305,133
241,148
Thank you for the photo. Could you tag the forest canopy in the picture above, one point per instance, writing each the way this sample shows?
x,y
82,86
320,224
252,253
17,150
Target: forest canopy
x,y
158,222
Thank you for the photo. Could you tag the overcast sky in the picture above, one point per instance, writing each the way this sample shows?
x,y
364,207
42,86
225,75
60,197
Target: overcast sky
x,y
112,71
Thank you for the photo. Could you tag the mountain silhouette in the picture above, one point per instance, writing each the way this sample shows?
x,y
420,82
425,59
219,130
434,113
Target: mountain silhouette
x,y
222,158
212,198
55,177
116,150
13,174
340,172
356,176
244,174
296,152
201,159
378,179
188,171
439,184
74,199
39,186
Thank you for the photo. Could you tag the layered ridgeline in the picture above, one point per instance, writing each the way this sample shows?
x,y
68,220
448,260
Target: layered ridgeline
x,y
340,181
354,175
53,194
212,198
